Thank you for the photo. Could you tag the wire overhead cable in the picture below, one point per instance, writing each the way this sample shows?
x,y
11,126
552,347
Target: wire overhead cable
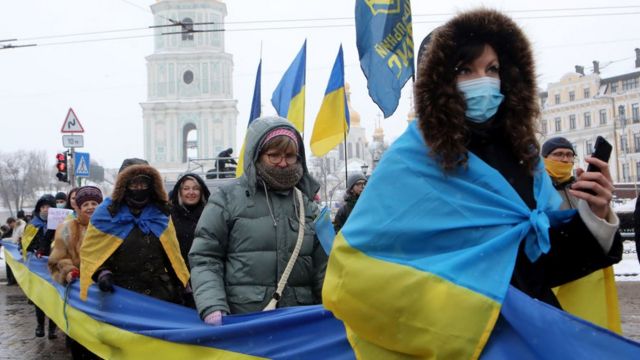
x,y
596,11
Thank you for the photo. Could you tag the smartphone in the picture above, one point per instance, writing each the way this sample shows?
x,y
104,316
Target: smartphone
x,y
602,151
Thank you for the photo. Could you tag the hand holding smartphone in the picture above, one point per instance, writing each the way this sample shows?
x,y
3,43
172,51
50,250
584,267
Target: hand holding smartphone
x,y
602,152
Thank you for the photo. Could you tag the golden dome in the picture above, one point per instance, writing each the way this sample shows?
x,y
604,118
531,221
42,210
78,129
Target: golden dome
x,y
354,116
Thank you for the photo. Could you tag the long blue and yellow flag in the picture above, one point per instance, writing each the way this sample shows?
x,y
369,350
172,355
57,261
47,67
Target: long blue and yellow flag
x,y
416,253
332,122
288,97
128,325
106,233
256,108
385,45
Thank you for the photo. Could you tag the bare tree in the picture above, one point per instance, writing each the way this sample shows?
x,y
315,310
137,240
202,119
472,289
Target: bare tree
x,y
21,174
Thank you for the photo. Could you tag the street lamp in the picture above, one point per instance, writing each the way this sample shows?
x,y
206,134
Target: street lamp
x,y
364,168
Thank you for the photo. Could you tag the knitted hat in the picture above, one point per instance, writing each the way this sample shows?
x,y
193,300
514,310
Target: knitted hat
x,y
353,179
281,131
555,143
87,193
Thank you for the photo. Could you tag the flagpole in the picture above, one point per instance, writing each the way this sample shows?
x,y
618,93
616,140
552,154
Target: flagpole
x,y
346,173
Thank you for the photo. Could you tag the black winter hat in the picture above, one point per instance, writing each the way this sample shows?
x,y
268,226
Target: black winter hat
x,y
555,143
61,196
132,161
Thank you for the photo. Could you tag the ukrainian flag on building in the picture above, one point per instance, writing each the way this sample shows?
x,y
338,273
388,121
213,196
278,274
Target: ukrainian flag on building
x,y
332,122
288,97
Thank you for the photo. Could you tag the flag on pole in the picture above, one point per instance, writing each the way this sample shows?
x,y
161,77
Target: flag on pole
x,y
385,45
288,97
332,121
256,105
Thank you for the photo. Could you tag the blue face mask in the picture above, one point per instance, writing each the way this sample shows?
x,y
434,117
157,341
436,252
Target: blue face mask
x,y
483,98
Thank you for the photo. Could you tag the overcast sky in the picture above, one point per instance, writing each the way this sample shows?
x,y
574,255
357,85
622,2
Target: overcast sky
x,y
104,81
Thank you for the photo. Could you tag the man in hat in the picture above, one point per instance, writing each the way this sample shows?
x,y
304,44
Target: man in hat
x,y
355,186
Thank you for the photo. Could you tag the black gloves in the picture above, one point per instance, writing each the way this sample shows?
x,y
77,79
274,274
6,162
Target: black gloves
x,y
105,281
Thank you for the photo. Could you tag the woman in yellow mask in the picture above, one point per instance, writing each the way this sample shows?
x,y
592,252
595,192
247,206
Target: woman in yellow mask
x,y
558,157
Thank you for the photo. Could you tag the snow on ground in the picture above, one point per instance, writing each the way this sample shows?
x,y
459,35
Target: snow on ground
x,y
629,268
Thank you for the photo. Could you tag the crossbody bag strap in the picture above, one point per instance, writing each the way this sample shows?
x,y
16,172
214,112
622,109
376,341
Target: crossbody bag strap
x,y
294,256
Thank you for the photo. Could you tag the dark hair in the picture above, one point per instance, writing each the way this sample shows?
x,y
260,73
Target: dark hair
x,y
71,192
450,136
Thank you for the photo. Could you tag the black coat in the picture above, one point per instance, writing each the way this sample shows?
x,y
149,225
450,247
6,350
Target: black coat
x,y
344,212
636,226
574,251
186,218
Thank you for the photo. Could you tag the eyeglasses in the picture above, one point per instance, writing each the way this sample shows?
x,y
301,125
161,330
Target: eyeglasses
x,y
276,158
561,155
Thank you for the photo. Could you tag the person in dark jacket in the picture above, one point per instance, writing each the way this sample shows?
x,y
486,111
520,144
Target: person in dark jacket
x,y
40,244
221,164
491,112
249,229
355,186
476,103
188,198
558,156
147,259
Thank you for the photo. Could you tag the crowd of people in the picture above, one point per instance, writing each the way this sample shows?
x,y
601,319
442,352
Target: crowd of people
x,y
250,245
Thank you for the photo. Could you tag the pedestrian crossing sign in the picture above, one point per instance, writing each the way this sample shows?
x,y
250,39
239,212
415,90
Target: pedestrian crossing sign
x,y
82,164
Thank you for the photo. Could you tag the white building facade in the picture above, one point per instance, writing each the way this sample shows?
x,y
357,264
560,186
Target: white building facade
x,y
190,111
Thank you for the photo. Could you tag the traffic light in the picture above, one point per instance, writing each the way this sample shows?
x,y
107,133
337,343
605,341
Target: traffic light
x,y
61,165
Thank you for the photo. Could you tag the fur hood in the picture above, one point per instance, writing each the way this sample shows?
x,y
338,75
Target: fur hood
x,y
440,106
158,194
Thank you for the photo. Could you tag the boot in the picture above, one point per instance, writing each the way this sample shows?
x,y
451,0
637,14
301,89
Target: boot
x,y
40,330
52,330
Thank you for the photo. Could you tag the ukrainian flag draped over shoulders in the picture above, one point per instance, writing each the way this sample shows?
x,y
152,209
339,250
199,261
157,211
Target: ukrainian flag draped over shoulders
x,y
332,121
288,97
424,263
106,233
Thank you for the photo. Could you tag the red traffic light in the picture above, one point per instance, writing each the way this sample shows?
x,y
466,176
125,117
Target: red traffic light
x,y
62,167
61,157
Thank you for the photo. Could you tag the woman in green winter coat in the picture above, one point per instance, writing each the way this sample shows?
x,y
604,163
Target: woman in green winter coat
x,y
248,231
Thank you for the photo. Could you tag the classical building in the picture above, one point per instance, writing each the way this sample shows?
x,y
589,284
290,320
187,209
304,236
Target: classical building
x,y
190,111
604,102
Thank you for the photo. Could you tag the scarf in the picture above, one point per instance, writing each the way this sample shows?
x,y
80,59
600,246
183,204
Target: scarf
x,y
280,178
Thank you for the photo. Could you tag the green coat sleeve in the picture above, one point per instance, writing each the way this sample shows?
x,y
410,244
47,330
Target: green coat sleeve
x,y
208,254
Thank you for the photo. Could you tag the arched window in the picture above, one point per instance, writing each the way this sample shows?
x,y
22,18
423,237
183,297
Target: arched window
x,y
350,150
358,150
187,29
189,142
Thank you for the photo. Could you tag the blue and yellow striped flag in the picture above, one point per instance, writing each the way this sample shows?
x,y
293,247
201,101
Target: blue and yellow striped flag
x,y
288,97
424,271
256,108
106,233
332,122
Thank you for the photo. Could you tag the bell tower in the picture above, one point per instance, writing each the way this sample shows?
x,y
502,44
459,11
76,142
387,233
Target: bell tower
x,y
190,111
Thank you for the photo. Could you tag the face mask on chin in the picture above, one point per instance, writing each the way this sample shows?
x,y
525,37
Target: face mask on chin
x,y
44,215
482,96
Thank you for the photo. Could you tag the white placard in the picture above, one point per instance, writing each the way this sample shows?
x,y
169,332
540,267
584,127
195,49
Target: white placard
x,y
56,216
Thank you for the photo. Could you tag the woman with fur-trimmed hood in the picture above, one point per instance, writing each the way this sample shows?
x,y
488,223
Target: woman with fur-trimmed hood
x,y
477,212
131,241
476,92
